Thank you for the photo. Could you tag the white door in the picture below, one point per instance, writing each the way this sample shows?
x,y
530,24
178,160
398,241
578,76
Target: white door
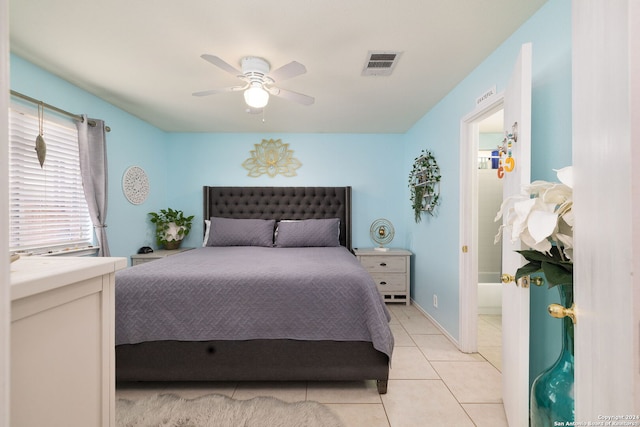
x,y
606,154
515,298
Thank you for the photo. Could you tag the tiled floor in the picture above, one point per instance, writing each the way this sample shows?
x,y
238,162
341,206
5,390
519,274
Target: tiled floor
x,y
490,338
431,383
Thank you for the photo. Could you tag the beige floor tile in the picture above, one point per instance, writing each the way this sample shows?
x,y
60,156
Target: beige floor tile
x,y
490,339
186,390
400,337
494,320
343,392
367,415
420,403
191,390
493,355
471,382
402,311
138,390
419,325
438,347
394,318
410,364
486,414
488,336
287,391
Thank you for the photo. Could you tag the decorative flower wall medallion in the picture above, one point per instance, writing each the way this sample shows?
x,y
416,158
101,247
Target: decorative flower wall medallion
x,y
135,185
272,157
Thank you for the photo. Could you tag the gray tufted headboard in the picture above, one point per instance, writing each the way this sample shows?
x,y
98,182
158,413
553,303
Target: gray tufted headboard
x,y
282,203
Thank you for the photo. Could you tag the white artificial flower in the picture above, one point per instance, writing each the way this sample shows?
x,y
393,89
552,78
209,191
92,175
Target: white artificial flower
x,y
542,215
565,175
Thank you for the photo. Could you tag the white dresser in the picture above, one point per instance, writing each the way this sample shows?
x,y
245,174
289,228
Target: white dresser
x,y
390,270
63,341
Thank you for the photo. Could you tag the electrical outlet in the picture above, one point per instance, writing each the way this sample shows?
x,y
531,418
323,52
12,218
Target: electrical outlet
x,y
435,300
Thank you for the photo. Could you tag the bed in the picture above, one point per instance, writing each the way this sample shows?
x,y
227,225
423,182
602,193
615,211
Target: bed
x,y
241,309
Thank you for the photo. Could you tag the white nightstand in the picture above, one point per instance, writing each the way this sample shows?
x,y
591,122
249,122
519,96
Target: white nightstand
x,y
390,270
156,254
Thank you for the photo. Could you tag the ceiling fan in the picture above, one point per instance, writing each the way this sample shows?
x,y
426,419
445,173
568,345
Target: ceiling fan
x,y
259,81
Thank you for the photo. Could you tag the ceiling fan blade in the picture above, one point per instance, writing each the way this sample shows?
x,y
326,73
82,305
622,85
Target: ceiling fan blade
x,y
221,90
221,64
287,71
291,96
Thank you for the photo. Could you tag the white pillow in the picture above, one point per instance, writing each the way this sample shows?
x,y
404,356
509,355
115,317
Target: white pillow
x,y
207,227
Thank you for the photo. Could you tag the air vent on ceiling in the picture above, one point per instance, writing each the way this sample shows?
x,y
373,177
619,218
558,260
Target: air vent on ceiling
x,y
380,63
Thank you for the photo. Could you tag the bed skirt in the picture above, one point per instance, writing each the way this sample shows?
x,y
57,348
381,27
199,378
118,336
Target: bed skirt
x,y
252,360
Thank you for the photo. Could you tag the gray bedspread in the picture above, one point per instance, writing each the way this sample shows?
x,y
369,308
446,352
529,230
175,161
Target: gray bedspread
x,y
243,293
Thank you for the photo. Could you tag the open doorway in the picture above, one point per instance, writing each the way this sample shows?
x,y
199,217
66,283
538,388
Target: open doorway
x,y
488,200
516,103
485,121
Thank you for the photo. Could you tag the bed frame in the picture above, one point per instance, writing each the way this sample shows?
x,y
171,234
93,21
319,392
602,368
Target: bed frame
x,y
261,360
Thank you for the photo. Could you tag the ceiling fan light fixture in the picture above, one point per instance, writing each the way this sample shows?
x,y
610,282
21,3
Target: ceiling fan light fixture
x,y
256,97
258,83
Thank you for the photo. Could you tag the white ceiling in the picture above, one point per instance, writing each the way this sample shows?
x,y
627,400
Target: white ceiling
x,y
143,56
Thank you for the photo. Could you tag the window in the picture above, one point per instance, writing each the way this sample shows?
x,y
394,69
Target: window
x,y
48,210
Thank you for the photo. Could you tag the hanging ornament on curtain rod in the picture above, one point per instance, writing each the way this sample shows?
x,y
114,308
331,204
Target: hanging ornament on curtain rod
x,y
41,146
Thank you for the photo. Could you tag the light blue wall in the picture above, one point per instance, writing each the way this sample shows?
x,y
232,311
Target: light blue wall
x,y
368,163
490,141
435,241
179,164
130,142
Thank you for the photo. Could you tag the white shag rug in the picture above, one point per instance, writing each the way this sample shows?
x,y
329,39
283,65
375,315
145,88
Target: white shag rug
x,y
168,410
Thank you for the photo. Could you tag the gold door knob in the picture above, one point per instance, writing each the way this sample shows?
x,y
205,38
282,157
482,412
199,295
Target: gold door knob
x,y
522,282
559,312
507,278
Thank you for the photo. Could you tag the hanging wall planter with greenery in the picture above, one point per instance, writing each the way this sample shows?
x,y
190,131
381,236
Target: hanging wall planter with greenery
x,y
424,185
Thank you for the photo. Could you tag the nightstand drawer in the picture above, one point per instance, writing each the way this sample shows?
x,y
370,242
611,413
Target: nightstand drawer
x,y
390,272
381,264
390,282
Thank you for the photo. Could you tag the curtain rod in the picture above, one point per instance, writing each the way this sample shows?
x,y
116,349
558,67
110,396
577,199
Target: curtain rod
x,y
54,108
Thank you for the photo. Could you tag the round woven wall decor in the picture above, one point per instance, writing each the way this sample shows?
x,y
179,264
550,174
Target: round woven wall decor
x,y
135,185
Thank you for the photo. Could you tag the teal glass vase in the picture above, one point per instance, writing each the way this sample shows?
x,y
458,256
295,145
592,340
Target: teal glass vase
x,y
552,398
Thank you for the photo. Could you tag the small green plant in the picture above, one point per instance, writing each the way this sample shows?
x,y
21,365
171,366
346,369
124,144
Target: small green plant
x,y
171,227
417,201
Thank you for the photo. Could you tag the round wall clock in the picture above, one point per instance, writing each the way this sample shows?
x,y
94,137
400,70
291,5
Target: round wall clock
x,y
135,185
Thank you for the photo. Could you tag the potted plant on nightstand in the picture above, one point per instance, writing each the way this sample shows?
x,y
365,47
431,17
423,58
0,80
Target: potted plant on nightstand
x,y
171,227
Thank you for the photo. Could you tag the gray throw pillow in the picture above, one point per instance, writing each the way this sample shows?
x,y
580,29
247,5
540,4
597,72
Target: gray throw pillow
x,y
308,232
241,232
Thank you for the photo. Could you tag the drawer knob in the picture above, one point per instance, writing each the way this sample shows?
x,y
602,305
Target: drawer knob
x,y
383,264
383,283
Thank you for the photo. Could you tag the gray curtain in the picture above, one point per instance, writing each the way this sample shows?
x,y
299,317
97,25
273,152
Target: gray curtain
x,y
93,166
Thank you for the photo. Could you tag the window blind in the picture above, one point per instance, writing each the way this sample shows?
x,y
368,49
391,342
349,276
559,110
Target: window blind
x,y
47,205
